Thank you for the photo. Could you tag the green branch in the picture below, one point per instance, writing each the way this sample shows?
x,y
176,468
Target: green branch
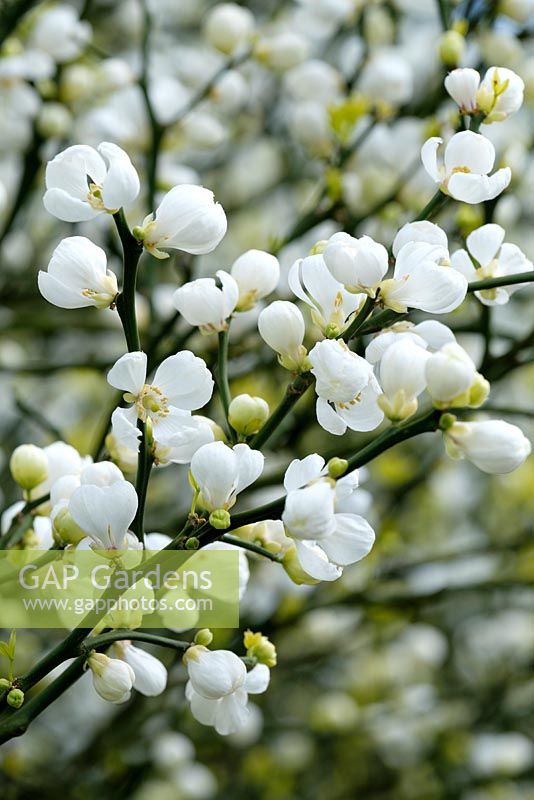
x,y
222,376
359,320
294,392
504,280
125,301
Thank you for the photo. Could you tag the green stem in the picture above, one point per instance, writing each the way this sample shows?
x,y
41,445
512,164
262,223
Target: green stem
x,y
21,523
145,461
294,392
222,376
253,548
444,14
125,301
358,320
17,722
434,205
395,435
505,280
157,130
105,639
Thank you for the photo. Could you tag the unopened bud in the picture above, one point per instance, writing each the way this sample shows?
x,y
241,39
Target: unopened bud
x,y
446,421
15,698
220,519
192,543
337,467
4,683
29,466
451,48
204,637
247,414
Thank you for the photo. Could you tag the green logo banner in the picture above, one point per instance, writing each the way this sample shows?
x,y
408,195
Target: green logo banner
x,y
131,589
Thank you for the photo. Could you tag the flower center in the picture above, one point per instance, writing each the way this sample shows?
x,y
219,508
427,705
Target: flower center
x,y
94,197
151,402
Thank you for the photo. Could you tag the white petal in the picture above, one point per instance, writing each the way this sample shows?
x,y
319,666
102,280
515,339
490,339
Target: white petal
x,y
150,673
303,471
434,289
471,150
231,714
461,262
185,380
484,243
429,157
121,184
351,541
104,513
60,295
365,414
314,562
328,418
257,679
471,188
249,464
67,208
129,372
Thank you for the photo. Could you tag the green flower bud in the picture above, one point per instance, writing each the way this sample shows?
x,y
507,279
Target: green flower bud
x,y
220,519
204,637
337,467
65,529
29,466
446,421
4,683
192,543
332,330
451,48
15,698
248,414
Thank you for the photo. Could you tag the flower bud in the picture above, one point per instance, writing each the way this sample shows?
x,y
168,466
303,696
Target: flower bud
x,y
449,372
260,648
4,683
204,637
494,446
247,414
15,698
281,326
220,519
257,274
192,543
29,466
337,467
54,121
113,679
64,527
282,50
451,48
228,26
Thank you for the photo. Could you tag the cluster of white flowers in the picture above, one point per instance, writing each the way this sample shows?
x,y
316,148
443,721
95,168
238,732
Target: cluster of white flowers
x,y
344,288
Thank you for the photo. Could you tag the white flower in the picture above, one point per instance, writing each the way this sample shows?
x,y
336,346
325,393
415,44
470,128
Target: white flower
x,y
103,473
421,231
257,274
219,685
181,383
332,305
423,278
402,377
495,260
429,334
359,264
203,303
112,678
228,26
313,80
105,513
59,32
221,472
150,675
449,372
493,446
346,387
188,218
282,50
469,158
500,94
77,276
82,183
281,326
387,76
174,443
462,85
317,516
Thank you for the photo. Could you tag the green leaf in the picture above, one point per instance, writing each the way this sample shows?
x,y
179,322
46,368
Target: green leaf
x,y
12,643
4,650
